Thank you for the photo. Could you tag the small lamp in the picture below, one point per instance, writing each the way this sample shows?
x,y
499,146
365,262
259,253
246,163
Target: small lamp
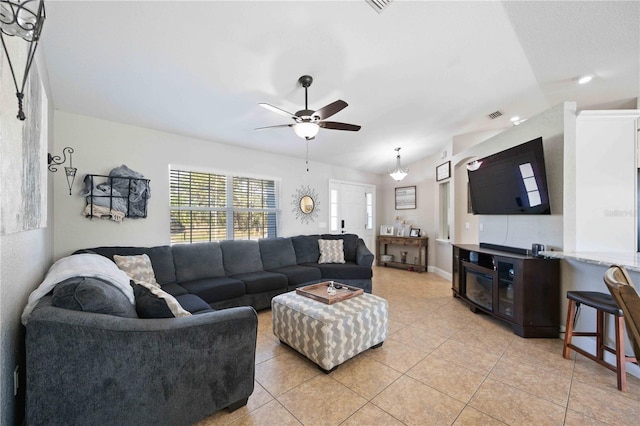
x,y
23,19
55,160
399,173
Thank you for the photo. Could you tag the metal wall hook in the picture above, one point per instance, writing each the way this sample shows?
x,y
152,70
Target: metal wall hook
x,y
56,160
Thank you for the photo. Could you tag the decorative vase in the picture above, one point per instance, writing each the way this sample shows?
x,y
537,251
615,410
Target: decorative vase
x,y
403,257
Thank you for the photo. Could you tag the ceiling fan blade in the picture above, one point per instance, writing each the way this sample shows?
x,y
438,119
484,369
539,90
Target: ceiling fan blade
x,y
278,110
271,127
328,110
339,126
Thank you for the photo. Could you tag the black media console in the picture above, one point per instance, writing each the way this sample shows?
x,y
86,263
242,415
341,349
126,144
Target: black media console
x,y
511,285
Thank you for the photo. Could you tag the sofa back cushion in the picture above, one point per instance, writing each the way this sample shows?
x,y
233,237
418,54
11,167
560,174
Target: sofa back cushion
x,y
306,247
92,295
197,261
240,256
161,259
277,252
350,244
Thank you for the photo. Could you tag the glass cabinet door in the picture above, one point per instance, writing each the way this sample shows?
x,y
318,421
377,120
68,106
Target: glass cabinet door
x,y
506,274
479,287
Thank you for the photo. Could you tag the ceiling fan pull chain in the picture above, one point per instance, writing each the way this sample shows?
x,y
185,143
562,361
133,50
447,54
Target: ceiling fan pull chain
x,y
307,159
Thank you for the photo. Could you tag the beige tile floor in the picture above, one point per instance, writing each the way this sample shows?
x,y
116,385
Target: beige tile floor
x,y
440,365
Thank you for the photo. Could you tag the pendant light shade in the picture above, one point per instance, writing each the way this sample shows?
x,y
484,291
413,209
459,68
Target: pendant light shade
x,y
399,173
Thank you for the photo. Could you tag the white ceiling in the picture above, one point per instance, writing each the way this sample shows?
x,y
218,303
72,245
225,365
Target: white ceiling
x,y
414,76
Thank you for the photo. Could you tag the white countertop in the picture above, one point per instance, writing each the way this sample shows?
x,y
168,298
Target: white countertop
x,y
630,260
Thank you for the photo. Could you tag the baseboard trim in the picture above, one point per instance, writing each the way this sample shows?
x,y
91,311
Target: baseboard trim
x,y
444,274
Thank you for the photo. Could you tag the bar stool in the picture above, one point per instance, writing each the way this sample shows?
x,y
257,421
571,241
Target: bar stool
x,y
602,303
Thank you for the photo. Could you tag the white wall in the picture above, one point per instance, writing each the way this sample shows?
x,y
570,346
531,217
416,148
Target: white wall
x,y
24,259
102,145
422,176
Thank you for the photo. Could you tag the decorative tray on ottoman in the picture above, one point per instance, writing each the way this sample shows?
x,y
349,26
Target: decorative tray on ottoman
x,y
319,292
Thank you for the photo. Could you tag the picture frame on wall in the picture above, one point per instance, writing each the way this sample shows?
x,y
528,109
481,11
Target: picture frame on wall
x,y
415,232
406,198
386,230
443,171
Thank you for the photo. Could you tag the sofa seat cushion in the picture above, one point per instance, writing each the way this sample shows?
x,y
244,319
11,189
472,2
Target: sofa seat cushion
x,y
297,274
174,289
276,252
193,304
213,290
346,271
92,295
262,281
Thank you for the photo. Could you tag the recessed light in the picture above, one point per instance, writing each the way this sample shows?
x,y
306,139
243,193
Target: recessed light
x,y
585,79
514,119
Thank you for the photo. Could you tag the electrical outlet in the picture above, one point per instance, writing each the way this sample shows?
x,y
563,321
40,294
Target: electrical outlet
x,y
16,380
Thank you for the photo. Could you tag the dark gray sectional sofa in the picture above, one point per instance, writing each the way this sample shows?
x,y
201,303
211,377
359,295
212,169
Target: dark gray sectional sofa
x,y
95,368
248,273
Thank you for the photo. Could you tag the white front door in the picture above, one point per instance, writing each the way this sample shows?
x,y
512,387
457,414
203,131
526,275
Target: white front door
x,y
352,210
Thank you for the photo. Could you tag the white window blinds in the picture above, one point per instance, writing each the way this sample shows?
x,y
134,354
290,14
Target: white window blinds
x,y
210,207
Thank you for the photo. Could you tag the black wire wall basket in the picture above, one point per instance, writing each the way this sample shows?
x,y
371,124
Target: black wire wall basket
x,y
125,195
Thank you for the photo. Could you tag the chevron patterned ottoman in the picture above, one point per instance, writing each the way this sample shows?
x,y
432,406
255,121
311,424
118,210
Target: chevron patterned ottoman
x,y
330,334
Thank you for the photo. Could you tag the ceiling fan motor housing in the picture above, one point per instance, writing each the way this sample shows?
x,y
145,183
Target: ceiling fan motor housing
x,y
305,81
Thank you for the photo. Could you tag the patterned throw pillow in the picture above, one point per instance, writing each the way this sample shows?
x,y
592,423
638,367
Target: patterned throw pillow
x,y
138,268
331,251
153,302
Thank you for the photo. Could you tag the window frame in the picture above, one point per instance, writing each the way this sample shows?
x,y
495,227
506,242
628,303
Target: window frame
x,y
230,209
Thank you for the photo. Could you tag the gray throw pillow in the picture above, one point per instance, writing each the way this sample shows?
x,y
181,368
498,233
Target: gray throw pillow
x,y
89,294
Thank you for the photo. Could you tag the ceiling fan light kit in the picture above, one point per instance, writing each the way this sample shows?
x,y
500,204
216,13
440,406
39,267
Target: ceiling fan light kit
x,y
307,122
306,130
399,173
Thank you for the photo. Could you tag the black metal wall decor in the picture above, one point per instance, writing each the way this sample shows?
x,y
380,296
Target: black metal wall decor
x,y
56,160
25,20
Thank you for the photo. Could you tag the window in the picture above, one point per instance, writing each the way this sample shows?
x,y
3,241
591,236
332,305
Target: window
x,y
369,203
444,231
334,210
210,207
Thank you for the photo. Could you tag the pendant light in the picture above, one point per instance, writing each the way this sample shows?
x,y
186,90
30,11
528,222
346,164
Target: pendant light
x,y
23,19
399,173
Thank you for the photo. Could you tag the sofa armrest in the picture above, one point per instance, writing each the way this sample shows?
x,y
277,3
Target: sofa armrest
x,y
364,257
86,368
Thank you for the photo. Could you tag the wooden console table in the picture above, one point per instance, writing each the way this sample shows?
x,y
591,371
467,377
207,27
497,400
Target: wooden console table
x,y
422,243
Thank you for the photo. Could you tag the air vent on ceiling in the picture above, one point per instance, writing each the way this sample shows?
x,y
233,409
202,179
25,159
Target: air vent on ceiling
x,y
379,5
494,115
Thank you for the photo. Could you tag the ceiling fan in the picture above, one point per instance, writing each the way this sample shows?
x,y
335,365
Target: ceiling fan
x,y
307,123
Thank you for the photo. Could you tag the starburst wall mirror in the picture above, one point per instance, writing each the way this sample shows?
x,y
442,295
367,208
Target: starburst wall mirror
x,y
305,204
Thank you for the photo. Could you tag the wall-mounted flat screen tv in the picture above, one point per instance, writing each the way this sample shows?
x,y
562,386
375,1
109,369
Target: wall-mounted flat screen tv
x,y
510,182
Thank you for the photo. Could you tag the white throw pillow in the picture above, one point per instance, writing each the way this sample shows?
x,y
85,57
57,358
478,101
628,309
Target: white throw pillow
x,y
138,268
331,251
